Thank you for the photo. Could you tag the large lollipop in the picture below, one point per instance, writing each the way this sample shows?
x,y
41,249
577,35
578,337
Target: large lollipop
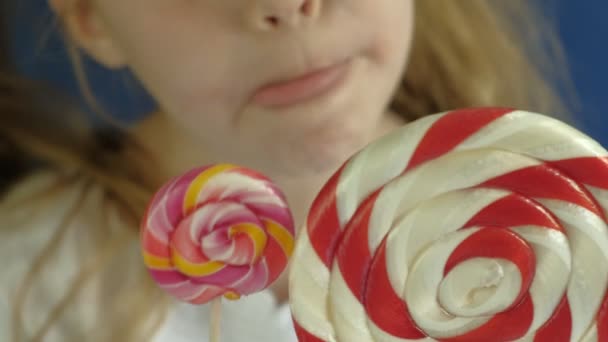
x,y
215,231
472,225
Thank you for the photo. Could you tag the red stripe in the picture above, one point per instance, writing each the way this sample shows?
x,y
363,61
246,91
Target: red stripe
x,y
559,327
452,129
249,173
588,170
384,307
507,326
303,335
181,243
602,321
512,211
353,253
323,223
543,181
276,259
154,246
501,244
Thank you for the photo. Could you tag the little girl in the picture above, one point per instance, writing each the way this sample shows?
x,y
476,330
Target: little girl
x,y
288,87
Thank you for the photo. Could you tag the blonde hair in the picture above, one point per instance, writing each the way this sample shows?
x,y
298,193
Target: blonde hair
x,y
484,53
465,53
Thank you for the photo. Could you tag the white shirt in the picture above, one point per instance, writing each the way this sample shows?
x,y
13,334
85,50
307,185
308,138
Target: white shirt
x,y
253,318
26,229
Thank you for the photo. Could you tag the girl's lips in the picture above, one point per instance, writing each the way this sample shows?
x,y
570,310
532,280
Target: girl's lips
x,y
302,88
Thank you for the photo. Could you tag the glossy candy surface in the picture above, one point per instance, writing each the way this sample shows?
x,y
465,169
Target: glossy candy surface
x,y
482,224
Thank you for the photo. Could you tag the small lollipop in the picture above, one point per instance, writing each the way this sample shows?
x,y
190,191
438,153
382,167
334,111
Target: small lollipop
x,y
472,225
216,231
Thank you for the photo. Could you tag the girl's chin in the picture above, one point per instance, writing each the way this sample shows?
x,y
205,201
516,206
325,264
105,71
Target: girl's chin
x,y
318,159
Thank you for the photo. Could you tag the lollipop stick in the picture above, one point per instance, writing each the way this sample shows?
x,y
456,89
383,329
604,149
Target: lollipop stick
x,y
216,316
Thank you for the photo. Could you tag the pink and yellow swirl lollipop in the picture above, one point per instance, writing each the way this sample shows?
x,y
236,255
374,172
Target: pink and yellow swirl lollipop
x,y
220,230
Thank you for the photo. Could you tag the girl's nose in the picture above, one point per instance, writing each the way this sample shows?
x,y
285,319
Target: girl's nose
x,y
265,15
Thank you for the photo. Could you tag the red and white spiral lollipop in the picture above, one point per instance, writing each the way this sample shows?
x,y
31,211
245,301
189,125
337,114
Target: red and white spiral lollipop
x,y
220,230
473,225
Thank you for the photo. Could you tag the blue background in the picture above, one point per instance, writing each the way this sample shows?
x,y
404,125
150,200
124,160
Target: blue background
x,y
581,25
584,30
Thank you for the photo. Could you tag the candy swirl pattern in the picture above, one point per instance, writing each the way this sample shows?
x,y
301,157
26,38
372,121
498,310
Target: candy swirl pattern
x,y
220,230
483,224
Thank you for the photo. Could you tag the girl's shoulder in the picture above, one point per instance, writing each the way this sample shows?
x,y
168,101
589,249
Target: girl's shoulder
x,y
42,205
47,196
41,192
53,227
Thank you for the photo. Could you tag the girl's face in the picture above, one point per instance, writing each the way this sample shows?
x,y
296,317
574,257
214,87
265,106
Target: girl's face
x,y
292,83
